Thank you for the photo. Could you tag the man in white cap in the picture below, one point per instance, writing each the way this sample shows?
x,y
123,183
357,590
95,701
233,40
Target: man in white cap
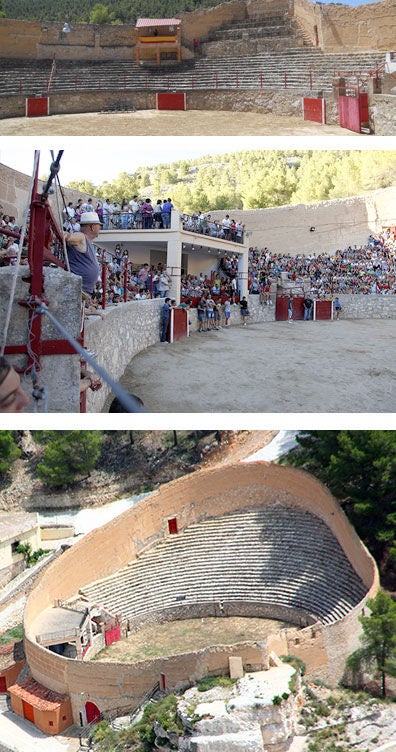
x,y
81,252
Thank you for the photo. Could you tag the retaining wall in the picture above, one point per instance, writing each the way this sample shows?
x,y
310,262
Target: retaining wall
x,y
210,493
383,114
338,223
367,27
236,100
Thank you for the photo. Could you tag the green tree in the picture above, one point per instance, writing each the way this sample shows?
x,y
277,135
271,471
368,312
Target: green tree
x,y
359,467
378,639
85,186
100,14
9,450
70,455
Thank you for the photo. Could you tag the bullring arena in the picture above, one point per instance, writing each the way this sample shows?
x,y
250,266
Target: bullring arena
x,y
258,541
268,366
282,67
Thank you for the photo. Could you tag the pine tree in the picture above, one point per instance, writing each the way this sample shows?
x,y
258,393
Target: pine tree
x,y
378,651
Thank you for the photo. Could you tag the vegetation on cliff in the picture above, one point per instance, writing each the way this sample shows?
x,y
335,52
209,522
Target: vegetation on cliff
x,y
253,179
97,465
359,467
115,11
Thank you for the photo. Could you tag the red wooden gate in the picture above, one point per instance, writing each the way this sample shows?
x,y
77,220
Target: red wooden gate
x,y
281,308
314,108
353,112
171,100
37,106
92,712
3,684
113,635
178,324
323,310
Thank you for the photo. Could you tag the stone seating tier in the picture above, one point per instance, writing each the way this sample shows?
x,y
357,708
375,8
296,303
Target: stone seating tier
x,y
277,555
203,73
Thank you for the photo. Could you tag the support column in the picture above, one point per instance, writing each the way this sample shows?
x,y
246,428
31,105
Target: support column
x,y
173,265
243,274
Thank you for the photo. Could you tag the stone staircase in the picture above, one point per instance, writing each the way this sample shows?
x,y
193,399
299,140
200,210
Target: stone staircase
x,y
277,33
276,555
296,69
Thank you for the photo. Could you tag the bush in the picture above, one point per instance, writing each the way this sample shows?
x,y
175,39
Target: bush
x,y
208,682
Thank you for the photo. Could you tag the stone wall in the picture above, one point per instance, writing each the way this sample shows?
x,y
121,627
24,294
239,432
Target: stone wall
x,y
338,223
123,332
238,100
15,189
59,374
209,493
339,27
383,114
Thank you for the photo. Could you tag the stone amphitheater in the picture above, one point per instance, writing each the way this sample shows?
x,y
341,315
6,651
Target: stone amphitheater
x,y
257,540
251,57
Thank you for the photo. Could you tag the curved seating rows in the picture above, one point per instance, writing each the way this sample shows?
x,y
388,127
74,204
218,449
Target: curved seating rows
x,y
266,70
277,555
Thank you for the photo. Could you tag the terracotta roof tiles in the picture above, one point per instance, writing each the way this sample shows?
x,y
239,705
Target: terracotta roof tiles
x,y
37,695
143,23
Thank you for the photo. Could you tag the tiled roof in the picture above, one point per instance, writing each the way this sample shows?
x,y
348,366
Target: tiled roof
x,y
37,695
143,23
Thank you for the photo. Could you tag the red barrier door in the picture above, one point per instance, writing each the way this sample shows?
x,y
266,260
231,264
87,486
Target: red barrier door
x,y
353,112
178,324
171,100
314,109
281,308
323,310
37,106
92,712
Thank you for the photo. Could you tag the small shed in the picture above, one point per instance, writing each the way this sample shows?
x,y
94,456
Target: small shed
x,y
158,40
50,711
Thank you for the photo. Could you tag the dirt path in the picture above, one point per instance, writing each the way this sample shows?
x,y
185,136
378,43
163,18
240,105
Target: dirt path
x,y
312,367
154,123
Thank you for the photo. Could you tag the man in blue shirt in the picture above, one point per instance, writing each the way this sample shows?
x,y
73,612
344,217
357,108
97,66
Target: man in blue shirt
x,y
167,207
165,313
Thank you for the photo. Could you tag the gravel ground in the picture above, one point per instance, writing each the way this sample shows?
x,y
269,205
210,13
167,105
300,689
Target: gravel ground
x,y
305,367
154,123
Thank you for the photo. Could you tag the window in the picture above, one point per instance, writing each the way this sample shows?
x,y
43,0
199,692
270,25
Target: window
x,y
14,546
50,723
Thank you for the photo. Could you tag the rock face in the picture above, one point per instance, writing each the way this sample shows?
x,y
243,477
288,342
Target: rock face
x,y
244,718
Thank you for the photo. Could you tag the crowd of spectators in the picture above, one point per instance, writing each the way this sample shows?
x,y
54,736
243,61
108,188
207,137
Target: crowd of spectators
x,y
366,269
136,214
227,229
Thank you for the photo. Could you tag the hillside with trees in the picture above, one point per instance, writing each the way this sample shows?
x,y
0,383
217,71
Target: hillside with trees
x,y
253,179
94,12
359,468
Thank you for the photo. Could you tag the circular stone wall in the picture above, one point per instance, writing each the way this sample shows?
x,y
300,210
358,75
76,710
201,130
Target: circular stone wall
x,y
239,496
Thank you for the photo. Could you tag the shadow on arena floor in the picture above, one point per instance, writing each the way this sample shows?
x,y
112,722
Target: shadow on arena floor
x,y
311,367
154,123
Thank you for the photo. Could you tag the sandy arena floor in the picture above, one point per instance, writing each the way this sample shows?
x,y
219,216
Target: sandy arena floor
x,y
154,123
341,366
